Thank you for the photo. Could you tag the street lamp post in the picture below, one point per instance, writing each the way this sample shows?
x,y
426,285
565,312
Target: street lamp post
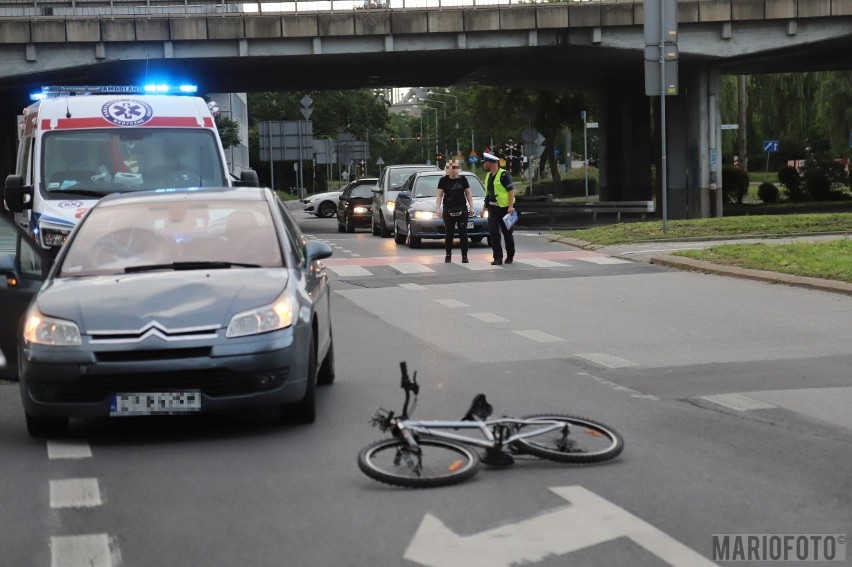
x,y
436,126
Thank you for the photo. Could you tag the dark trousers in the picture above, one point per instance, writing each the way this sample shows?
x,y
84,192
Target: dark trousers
x,y
496,226
450,224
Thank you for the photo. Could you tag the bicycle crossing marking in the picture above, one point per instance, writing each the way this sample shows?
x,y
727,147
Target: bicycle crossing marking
x,y
589,520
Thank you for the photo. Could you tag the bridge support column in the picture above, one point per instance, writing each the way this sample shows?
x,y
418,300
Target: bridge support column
x,y
624,142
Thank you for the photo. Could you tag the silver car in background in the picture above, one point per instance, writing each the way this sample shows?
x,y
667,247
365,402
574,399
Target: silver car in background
x,y
385,192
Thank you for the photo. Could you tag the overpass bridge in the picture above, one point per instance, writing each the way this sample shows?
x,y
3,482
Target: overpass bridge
x,y
298,45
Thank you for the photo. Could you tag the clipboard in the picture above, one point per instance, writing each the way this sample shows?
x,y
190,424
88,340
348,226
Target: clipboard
x,y
510,219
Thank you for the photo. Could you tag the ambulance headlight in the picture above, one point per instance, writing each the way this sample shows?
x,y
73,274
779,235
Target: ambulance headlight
x,y
53,238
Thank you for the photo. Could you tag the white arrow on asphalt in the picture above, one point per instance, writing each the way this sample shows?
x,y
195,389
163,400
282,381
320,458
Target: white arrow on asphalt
x,y
589,520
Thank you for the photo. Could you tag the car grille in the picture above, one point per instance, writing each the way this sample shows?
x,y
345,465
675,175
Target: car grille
x,y
143,355
213,383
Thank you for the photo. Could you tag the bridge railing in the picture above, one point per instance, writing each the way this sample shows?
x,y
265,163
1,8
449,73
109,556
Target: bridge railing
x,y
144,8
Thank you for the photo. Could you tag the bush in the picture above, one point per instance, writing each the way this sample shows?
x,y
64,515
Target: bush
x,y
734,184
768,193
817,185
790,178
567,188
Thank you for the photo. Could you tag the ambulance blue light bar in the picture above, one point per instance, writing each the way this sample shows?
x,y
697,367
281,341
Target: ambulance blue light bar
x,y
162,88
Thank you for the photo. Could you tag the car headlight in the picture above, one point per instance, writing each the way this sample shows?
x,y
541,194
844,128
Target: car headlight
x,y
390,205
42,330
485,213
360,210
423,215
278,315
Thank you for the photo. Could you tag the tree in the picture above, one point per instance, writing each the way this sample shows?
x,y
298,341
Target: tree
x,y
229,130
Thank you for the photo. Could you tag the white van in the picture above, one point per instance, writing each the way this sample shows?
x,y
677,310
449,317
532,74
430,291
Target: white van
x,y
77,144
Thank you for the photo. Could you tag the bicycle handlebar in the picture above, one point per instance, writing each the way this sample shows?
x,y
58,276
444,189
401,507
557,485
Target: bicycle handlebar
x,y
406,383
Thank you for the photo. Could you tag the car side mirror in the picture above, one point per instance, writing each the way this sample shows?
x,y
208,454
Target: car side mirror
x,y
403,195
248,178
376,189
315,250
17,197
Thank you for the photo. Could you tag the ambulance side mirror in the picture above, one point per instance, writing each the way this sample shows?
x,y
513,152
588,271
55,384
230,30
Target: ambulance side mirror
x,y
16,196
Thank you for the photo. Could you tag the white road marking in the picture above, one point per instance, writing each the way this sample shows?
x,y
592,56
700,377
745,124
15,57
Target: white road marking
x,y
538,336
96,550
68,450
589,520
540,263
75,493
737,402
480,266
413,286
489,317
606,360
349,271
453,303
603,260
410,268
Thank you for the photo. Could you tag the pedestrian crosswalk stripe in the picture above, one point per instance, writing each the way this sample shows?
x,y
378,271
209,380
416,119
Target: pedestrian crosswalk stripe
x,y
451,303
481,266
607,360
738,402
489,318
410,268
541,263
349,271
604,260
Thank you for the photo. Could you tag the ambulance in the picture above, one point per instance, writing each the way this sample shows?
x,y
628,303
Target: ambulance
x,y
78,144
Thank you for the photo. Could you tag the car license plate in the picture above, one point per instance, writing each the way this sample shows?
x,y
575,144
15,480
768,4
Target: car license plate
x,y
155,403
470,225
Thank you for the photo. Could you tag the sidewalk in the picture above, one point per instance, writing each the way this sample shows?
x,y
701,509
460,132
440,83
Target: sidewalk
x,y
657,252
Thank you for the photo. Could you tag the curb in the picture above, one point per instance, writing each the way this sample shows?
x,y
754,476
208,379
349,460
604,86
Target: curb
x,y
691,264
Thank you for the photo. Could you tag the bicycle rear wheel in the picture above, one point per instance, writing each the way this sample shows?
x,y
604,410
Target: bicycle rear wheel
x,y
438,463
581,441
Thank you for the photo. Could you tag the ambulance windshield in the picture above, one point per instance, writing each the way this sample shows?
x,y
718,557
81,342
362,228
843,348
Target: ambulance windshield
x,y
122,159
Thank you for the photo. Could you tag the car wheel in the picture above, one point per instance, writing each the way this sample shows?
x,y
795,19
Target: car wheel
x,y
340,227
305,411
398,237
326,372
385,231
46,426
413,241
326,209
350,227
375,229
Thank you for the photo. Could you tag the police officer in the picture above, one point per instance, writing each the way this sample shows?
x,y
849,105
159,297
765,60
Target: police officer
x,y
500,200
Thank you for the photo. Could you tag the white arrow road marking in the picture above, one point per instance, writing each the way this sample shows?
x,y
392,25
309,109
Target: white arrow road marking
x,y
590,520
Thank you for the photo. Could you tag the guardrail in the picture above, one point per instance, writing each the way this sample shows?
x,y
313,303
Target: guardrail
x,y
110,8
552,209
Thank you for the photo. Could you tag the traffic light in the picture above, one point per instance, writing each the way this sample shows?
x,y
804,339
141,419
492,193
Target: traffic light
x,y
417,137
392,138
439,157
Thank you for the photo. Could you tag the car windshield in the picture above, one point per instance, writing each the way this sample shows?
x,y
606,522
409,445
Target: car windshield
x,y
427,186
110,160
365,191
155,234
399,176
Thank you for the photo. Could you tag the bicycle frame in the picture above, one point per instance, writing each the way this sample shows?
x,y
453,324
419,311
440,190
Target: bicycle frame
x,y
434,428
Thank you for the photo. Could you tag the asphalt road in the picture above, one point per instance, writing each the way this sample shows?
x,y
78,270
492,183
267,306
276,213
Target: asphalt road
x,y
731,396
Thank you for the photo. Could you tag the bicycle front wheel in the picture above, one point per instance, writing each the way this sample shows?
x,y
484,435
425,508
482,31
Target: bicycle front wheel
x,y
579,440
434,463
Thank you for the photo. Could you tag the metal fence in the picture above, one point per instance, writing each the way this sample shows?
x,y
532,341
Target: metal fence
x,y
146,8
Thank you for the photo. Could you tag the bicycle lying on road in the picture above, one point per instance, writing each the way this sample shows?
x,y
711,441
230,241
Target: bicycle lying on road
x,y
425,454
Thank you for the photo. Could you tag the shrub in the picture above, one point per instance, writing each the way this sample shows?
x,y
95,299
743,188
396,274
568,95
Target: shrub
x,y
790,178
768,193
816,184
734,184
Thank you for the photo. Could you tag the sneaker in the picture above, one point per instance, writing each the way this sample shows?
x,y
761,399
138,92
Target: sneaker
x,y
509,259
447,258
497,263
464,259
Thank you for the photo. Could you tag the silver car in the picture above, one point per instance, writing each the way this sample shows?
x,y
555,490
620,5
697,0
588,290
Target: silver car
x,y
178,301
385,192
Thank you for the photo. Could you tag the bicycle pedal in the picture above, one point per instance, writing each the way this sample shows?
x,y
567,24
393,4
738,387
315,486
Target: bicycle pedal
x,y
498,459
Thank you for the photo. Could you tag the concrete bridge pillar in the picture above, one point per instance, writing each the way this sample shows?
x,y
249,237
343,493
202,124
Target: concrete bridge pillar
x,y
625,142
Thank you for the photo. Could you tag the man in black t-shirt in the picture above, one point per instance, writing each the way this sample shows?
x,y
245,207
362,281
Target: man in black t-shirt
x,y
452,203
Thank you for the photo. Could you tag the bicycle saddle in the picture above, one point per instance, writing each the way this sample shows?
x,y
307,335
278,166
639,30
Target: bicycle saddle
x,y
479,410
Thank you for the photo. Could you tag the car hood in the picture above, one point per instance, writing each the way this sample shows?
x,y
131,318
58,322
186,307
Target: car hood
x,y
174,300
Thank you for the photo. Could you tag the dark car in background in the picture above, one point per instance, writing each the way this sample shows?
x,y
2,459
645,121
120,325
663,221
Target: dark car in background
x,y
415,217
355,206
384,194
173,302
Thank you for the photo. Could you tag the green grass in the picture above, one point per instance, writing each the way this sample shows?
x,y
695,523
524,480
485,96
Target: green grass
x,y
828,260
710,228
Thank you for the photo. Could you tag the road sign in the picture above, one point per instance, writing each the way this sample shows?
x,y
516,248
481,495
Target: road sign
x,y
380,161
660,23
591,124
473,159
730,126
770,146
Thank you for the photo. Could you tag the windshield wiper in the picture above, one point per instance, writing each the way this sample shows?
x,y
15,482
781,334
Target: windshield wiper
x,y
87,192
188,266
